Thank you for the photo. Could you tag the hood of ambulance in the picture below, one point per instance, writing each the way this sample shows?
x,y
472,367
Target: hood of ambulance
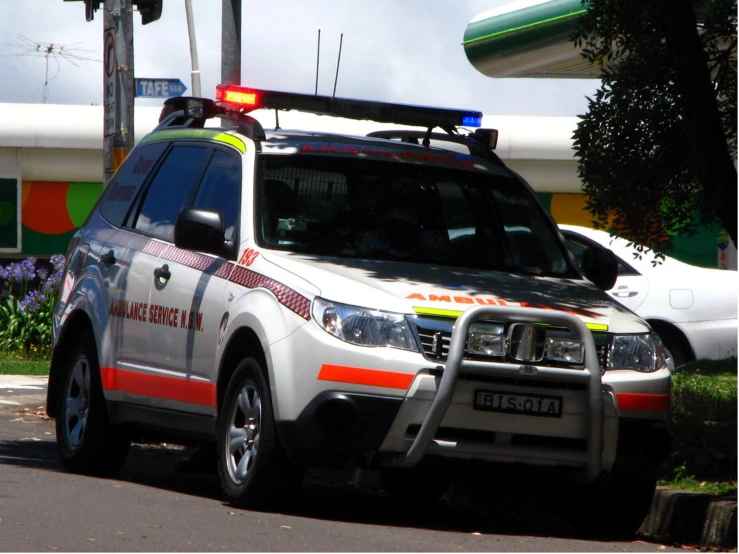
x,y
416,288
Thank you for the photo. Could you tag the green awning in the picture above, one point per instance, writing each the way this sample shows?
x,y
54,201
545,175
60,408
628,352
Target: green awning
x,y
532,41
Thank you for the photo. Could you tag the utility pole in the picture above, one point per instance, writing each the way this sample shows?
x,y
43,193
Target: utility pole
x,y
118,134
195,73
231,42
118,75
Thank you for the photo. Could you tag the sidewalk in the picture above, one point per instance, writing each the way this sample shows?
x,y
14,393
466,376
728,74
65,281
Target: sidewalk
x,y
677,516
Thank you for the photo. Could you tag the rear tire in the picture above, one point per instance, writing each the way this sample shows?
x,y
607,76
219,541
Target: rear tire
x,y
253,468
86,441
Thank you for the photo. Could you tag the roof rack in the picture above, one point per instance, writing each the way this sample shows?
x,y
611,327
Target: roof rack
x,y
190,111
480,143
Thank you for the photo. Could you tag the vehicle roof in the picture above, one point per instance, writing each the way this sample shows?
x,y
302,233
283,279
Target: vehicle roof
x,y
275,139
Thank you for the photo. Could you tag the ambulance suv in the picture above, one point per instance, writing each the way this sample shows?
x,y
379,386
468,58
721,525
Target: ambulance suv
x,y
399,301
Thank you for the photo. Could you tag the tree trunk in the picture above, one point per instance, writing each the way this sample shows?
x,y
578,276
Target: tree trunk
x,y
711,160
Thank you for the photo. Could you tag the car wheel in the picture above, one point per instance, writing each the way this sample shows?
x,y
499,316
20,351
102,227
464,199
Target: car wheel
x,y
253,468
417,487
86,442
613,509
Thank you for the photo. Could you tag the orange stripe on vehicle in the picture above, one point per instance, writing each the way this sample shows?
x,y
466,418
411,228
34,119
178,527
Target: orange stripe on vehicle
x,y
648,402
359,376
158,386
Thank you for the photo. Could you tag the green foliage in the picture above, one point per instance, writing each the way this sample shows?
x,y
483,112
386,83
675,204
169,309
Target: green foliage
x,y
704,414
26,311
634,154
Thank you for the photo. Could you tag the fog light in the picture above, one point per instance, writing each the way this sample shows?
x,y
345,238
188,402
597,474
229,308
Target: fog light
x,y
568,351
486,339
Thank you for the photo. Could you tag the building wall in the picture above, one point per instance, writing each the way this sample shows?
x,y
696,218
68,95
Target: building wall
x,y
51,165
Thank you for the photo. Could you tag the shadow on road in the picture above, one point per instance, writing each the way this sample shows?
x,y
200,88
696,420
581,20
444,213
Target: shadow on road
x,y
473,507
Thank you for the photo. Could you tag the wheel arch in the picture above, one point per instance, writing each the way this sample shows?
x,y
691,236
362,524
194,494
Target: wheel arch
x,y
243,343
670,334
77,323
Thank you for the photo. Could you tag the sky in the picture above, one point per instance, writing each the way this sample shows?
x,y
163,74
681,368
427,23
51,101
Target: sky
x,y
406,51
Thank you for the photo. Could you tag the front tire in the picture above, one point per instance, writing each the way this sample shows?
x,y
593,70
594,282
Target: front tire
x,y
254,470
86,441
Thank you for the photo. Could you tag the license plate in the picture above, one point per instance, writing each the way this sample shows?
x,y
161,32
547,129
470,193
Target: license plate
x,y
514,403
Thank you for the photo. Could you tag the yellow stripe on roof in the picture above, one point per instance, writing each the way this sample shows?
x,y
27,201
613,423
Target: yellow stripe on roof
x,y
597,326
207,134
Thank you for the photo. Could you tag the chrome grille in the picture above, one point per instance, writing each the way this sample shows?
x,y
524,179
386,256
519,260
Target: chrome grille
x,y
435,335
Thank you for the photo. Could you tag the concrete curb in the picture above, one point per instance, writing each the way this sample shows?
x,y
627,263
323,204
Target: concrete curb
x,y
692,518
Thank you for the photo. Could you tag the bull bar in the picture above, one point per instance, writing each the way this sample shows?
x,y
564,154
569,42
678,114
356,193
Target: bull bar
x,y
590,374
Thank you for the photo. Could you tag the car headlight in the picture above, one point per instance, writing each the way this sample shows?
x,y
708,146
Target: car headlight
x,y
363,326
643,352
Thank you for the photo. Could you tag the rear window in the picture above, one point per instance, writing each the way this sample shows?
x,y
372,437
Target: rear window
x,y
415,213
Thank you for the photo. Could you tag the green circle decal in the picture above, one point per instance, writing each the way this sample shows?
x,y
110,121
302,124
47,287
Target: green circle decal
x,y
81,197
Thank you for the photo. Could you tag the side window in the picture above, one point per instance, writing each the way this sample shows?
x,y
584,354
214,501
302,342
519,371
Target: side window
x,y
220,189
124,189
577,247
170,190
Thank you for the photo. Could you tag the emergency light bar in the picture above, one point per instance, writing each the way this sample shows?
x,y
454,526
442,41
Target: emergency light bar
x,y
249,99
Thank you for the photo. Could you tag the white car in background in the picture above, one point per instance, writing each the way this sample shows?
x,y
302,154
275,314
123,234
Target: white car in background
x,y
693,309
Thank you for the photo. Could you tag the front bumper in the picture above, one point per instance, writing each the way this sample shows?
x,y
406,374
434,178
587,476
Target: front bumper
x,y
436,415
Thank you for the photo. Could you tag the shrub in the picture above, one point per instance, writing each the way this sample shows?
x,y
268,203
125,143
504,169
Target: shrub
x,y
26,311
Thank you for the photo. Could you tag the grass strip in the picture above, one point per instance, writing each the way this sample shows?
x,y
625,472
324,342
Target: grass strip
x,y
704,416
24,367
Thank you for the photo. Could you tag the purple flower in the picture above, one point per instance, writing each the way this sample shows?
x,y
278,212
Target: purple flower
x,y
32,302
42,273
29,268
57,260
15,273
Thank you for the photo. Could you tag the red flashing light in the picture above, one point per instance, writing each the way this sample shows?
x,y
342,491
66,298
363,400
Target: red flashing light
x,y
238,96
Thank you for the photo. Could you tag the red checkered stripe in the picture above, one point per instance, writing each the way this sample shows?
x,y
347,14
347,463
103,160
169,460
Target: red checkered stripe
x,y
285,295
171,253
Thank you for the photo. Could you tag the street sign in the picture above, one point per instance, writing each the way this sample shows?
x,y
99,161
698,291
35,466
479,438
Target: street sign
x,y
159,88
109,82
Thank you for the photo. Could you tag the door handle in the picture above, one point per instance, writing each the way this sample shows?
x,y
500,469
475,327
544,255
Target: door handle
x,y
108,258
163,273
626,294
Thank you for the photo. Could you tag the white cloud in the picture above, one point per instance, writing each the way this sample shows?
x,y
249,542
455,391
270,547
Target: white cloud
x,y
393,50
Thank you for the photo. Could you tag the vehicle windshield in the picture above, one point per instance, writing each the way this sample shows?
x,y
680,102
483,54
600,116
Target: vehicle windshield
x,y
378,210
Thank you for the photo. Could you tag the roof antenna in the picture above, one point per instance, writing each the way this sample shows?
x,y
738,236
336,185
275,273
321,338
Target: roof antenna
x,y
277,120
338,61
318,57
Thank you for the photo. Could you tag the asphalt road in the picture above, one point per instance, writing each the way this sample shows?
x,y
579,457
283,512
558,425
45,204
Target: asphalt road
x,y
149,507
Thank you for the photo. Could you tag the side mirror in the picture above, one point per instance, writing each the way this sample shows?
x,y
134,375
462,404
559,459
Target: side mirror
x,y
600,266
200,230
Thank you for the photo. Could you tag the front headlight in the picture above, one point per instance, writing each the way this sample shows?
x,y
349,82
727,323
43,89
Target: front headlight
x,y
643,352
363,326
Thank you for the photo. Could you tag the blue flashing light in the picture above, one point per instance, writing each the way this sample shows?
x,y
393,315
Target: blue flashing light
x,y
472,120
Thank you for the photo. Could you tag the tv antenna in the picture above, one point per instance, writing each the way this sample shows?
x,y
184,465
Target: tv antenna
x,y
50,51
